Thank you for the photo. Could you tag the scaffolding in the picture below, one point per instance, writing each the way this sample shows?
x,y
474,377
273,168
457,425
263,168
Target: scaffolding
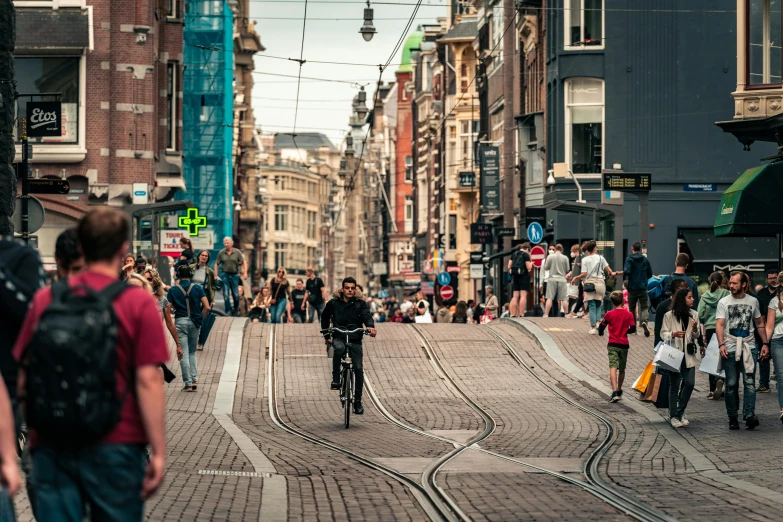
x,y
208,104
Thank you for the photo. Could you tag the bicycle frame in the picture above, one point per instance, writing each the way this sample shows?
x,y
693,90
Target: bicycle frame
x,y
346,383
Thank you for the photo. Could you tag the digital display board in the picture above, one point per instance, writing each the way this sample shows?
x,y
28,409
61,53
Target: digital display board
x,y
627,181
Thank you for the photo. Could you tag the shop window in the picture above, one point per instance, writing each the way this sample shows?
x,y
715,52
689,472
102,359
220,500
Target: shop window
x,y
584,23
764,40
584,117
49,74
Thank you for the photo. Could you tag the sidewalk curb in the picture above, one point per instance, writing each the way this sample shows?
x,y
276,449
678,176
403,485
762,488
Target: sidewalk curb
x,y
699,461
274,486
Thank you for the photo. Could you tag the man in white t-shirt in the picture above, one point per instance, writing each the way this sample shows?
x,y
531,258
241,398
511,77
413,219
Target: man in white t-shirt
x,y
558,266
738,316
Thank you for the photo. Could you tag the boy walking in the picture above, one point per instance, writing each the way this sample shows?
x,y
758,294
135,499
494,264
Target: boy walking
x,y
619,321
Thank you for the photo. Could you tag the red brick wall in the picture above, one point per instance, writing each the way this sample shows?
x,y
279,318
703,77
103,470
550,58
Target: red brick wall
x,y
404,147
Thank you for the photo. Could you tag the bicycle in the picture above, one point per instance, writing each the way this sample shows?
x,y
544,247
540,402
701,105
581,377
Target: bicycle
x,y
346,373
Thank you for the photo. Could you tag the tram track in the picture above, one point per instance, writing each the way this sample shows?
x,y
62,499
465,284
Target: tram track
x,y
435,502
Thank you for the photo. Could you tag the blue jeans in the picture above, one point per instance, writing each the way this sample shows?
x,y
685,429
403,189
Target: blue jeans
x,y
313,309
733,371
107,477
188,339
277,310
230,292
594,306
776,351
7,512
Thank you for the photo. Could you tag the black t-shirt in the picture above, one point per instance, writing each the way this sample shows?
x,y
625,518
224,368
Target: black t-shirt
x,y
278,290
314,286
519,261
459,319
764,298
297,296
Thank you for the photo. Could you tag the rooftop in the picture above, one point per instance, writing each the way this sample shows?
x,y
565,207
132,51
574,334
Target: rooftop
x,y
412,42
304,140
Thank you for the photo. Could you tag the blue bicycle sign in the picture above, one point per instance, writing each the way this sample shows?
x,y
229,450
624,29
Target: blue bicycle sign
x,y
535,232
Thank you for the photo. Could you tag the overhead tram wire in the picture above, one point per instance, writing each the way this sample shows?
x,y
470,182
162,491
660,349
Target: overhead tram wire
x,y
349,188
299,84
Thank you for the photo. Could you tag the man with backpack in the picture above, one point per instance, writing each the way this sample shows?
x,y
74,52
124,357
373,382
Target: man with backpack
x,y
191,306
521,267
680,264
637,271
89,351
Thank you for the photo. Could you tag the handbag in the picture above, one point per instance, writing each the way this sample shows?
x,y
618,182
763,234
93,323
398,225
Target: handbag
x,y
662,400
486,317
590,287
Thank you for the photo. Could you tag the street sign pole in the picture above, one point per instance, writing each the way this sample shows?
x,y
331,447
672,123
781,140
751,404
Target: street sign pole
x,y
25,174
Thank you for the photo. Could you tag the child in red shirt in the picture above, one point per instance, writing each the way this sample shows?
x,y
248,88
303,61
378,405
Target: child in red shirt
x,y
618,321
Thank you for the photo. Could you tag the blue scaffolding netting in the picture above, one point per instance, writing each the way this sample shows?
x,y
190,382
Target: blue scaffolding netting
x,y
208,105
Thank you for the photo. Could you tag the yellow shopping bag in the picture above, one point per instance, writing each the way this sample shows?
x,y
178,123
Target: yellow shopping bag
x,y
644,379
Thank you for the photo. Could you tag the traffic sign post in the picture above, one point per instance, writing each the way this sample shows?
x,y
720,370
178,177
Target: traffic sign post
x,y
638,184
535,232
446,292
538,256
444,278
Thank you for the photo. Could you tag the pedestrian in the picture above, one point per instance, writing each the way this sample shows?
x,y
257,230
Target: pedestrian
x,y
491,302
664,307
233,264
460,313
576,303
708,306
505,313
127,266
315,295
738,316
594,271
410,317
190,308
244,303
10,479
636,272
68,254
775,335
423,312
471,305
521,269
680,264
93,453
681,330
443,315
186,256
397,316
557,289
279,290
765,296
618,321
298,303
157,289
203,275
259,308
140,265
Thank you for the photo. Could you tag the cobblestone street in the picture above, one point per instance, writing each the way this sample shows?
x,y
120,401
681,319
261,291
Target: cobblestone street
x,y
498,422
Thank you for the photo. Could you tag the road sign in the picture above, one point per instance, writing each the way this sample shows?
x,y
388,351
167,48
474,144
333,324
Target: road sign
x,y
476,271
537,256
48,186
35,212
446,292
535,232
627,181
444,278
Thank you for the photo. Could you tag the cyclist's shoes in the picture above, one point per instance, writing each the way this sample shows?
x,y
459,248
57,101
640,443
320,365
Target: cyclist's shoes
x,y
335,385
358,409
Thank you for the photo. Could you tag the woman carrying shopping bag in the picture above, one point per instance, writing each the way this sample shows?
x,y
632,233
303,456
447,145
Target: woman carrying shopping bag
x,y
594,271
708,306
681,330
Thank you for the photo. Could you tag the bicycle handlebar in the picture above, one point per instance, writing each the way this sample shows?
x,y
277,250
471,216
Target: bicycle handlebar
x,y
340,330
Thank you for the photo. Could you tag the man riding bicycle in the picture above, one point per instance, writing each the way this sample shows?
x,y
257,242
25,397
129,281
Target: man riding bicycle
x,y
348,309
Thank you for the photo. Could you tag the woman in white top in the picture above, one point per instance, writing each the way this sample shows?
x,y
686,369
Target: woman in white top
x,y
491,304
775,333
680,329
594,271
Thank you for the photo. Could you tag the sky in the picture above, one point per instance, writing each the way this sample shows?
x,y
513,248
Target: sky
x,y
325,106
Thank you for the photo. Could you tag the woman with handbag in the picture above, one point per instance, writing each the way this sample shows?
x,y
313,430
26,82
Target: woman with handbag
x,y
681,330
259,307
594,271
279,289
490,305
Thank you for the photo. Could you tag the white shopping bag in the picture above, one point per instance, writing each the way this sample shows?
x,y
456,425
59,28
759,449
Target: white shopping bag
x,y
668,358
712,362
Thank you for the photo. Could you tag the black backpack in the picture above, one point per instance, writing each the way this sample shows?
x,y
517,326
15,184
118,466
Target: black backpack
x,y
518,263
72,397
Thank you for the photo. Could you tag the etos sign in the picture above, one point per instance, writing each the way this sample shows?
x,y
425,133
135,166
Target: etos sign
x,y
44,119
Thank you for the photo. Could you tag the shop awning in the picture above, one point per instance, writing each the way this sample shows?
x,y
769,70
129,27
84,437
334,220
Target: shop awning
x,y
706,248
751,206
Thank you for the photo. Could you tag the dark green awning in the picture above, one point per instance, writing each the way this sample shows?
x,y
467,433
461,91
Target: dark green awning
x,y
752,205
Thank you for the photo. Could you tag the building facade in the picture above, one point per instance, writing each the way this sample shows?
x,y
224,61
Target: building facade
x,y
117,67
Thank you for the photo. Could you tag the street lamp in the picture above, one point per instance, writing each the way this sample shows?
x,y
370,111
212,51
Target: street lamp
x,y
360,105
368,30
349,152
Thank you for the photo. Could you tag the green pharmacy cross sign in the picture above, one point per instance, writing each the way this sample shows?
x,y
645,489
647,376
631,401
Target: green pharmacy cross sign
x,y
193,222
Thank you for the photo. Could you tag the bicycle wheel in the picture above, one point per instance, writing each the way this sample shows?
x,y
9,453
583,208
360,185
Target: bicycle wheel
x,y
348,396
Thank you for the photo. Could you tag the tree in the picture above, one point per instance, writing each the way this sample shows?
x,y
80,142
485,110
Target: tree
x,y
7,103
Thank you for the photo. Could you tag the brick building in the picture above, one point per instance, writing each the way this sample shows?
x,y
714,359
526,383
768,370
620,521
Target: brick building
x,y
118,67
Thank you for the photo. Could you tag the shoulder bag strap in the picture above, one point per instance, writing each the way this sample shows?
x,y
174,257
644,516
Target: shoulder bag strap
x,y
187,296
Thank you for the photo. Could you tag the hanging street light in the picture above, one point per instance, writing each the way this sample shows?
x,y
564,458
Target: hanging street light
x,y
368,30
349,152
360,105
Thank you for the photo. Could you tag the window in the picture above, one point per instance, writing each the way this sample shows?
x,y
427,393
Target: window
x,y
281,255
312,224
584,125
171,8
408,168
765,34
496,124
408,213
281,218
50,74
465,140
584,23
171,106
497,35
